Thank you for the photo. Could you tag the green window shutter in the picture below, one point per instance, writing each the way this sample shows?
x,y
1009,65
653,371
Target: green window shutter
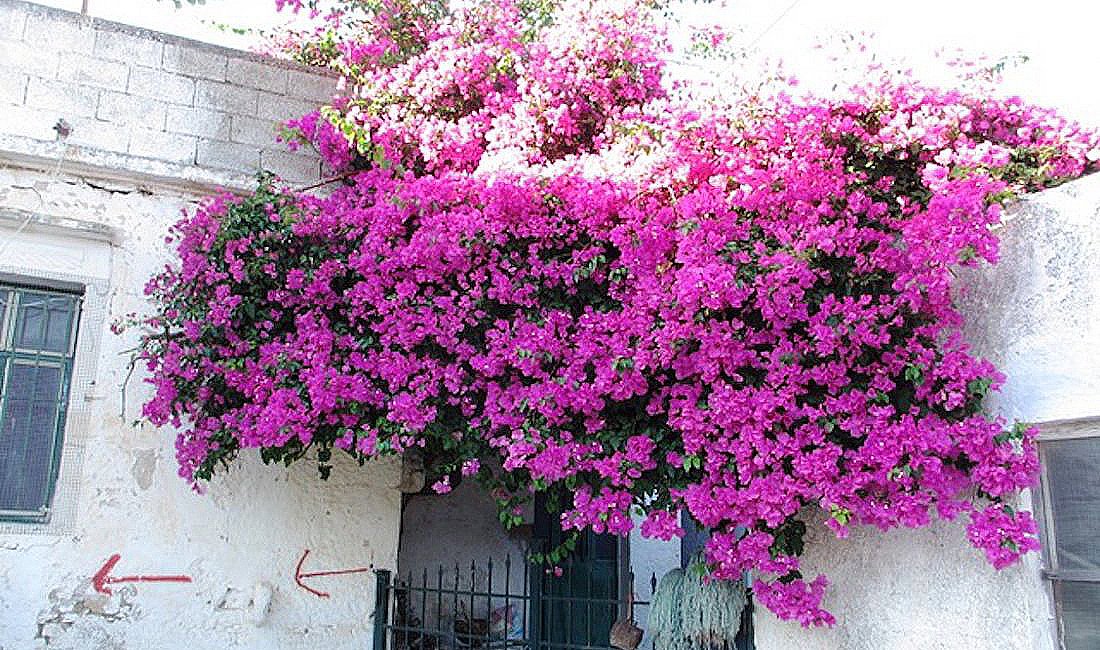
x,y
37,345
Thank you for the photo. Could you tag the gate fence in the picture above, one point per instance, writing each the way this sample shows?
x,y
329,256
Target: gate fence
x,y
507,606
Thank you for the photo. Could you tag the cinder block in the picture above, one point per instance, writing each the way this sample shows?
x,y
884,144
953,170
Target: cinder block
x,y
194,62
225,97
61,97
120,108
202,122
46,31
165,86
282,108
97,134
292,167
252,130
131,48
253,74
82,69
27,122
228,155
311,86
27,59
13,87
172,147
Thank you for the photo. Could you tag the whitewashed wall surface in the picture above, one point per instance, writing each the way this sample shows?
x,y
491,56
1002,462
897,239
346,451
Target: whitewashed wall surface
x,y
156,122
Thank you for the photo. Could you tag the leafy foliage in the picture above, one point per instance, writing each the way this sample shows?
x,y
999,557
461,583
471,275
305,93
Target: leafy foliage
x,y
546,272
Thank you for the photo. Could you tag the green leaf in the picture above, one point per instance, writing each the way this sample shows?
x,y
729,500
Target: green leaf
x,y
914,373
979,388
840,515
622,363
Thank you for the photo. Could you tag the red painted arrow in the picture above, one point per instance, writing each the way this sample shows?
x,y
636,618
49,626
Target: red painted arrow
x,y
298,575
103,577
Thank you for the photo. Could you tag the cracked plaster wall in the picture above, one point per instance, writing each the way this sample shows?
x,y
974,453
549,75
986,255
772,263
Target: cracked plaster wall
x,y
119,492
155,122
98,210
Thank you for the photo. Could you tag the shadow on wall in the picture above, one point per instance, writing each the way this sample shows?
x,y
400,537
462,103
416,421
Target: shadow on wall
x,y
456,531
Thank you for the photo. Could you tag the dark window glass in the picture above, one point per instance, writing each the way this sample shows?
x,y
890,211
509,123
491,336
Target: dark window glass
x,y
1073,483
36,348
1079,603
44,323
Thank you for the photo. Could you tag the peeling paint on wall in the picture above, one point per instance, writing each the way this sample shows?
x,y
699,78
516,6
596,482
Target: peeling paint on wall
x,y
83,616
76,211
144,467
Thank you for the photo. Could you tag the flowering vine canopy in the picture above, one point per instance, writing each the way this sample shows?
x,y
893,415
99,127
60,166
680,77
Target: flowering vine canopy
x,y
546,267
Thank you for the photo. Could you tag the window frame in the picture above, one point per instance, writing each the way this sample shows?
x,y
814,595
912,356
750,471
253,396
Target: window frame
x,y
16,289
1087,428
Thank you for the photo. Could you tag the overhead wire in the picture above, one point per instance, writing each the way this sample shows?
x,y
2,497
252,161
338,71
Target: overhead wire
x,y
31,215
775,22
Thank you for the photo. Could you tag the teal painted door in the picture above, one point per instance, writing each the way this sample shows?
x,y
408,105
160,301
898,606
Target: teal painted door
x,y
580,605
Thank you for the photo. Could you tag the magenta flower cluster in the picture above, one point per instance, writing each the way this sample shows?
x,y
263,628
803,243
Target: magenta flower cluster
x,y
759,328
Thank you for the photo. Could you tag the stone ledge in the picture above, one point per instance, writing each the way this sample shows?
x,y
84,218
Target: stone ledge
x,y
26,221
28,153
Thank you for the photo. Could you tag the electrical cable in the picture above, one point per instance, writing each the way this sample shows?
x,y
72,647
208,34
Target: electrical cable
x,y
775,22
52,176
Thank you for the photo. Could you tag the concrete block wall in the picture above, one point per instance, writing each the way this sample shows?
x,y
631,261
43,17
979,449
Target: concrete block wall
x,y
158,122
148,103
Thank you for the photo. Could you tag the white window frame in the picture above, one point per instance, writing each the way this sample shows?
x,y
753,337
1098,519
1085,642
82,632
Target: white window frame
x,y
22,234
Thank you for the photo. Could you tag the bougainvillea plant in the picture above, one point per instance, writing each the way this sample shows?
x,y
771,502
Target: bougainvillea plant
x,y
546,268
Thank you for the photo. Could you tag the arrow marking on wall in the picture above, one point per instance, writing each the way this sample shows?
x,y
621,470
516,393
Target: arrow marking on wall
x,y
298,575
103,577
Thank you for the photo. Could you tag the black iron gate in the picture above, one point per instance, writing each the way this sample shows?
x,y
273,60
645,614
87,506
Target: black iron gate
x,y
503,606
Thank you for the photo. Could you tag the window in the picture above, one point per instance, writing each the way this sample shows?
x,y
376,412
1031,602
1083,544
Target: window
x,y
37,342
1071,512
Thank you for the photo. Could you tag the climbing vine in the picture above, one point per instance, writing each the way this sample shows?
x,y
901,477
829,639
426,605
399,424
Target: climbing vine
x,y
545,269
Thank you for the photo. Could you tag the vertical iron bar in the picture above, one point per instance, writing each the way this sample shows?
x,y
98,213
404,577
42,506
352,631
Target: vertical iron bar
x,y
423,606
381,607
588,606
550,605
454,607
410,591
569,598
527,600
488,599
536,569
507,591
470,614
439,604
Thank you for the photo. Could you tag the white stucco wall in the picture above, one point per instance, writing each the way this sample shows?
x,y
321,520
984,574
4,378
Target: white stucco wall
x,y
1037,316
146,104
119,493
158,122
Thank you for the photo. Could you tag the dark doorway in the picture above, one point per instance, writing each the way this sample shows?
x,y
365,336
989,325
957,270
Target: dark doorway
x,y
580,599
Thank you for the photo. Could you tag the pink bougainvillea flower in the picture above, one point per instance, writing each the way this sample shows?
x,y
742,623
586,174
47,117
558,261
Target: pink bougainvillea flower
x,y
542,269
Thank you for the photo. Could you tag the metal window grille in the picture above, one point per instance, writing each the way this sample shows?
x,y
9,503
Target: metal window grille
x,y
507,605
38,329
1070,509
